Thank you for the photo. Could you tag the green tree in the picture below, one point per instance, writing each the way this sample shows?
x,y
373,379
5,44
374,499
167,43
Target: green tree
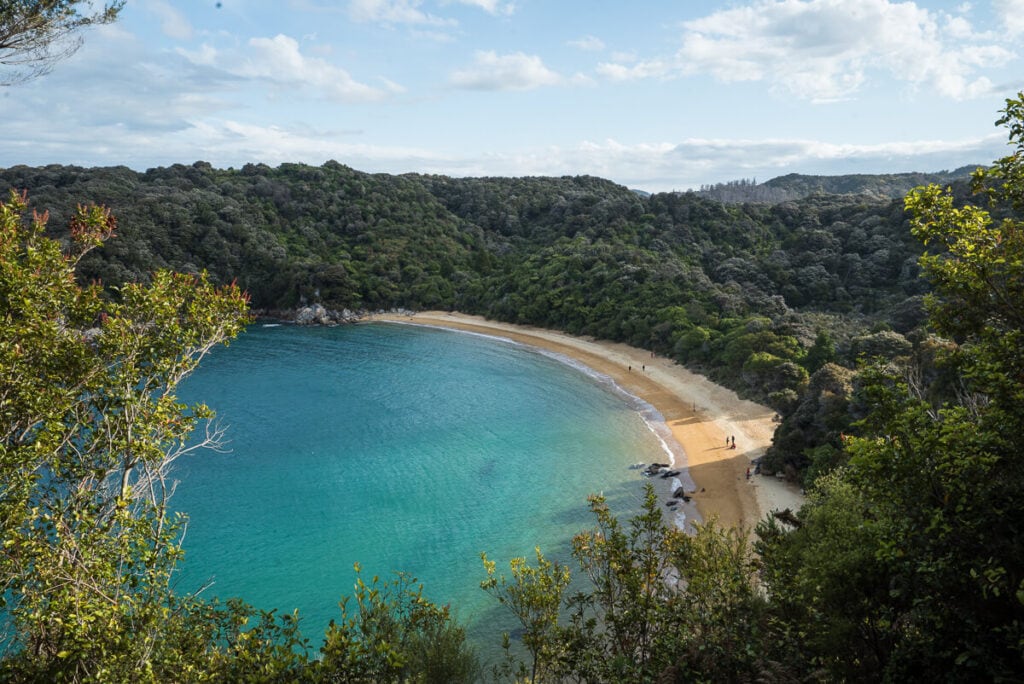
x,y
657,605
394,634
90,425
821,352
35,34
534,595
632,575
908,564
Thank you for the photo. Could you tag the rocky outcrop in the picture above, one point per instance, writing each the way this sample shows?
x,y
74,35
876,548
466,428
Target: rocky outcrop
x,y
317,314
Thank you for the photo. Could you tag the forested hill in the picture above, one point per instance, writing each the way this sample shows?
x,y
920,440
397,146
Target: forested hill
x,y
796,186
742,292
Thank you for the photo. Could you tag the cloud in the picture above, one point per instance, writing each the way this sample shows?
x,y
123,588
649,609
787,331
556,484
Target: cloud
x,y
825,50
279,61
1011,13
516,71
181,128
665,166
587,44
490,6
616,71
172,22
394,12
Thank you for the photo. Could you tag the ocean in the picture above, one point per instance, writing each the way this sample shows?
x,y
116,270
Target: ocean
x,y
402,448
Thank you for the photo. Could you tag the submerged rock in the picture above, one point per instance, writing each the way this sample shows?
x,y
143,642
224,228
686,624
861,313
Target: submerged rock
x,y
654,469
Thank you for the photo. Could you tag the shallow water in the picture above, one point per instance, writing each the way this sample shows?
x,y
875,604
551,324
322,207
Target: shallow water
x,y
401,448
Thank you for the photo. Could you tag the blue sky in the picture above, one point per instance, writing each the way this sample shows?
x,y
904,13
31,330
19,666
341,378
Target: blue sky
x,y
654,95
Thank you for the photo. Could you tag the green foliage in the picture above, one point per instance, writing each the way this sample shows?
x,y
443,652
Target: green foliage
x,y
659,605
534,595
629,570
90,424
394,634
821,352
908,563
826,584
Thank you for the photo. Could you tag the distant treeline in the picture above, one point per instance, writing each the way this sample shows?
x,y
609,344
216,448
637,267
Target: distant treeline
x,y
796,186
759,296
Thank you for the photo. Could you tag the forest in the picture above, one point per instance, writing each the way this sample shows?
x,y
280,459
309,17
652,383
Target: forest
x,y
885,332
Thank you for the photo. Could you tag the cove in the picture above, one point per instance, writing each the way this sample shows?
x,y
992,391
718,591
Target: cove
x,y
402,448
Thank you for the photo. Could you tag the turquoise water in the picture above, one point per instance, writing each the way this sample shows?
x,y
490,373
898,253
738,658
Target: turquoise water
x,y
401,448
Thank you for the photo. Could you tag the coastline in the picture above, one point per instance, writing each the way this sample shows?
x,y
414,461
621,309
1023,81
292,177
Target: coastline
x,y
699,414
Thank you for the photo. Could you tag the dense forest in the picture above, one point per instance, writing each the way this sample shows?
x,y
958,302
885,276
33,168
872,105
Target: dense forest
x,y
888,335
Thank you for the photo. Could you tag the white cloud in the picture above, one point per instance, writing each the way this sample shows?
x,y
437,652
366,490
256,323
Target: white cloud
x,y
394,12
182,128
824,50
279,61
588,44
516,71
1011,13
172,22
204,56
617,71
490,6
695,161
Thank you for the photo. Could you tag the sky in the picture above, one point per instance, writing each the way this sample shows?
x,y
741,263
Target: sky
x,y
655,95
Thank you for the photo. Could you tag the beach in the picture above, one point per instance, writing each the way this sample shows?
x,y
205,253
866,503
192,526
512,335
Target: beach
x,y
700,414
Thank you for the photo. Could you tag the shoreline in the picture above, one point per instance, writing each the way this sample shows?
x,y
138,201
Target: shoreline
x,y
698,413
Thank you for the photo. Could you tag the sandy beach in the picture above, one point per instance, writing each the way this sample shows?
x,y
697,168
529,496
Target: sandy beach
x,y
700,414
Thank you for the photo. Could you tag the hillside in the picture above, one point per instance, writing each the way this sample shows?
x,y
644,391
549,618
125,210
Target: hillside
x,y
795,186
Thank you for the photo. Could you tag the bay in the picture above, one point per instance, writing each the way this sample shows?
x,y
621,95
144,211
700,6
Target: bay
x,y
402,448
